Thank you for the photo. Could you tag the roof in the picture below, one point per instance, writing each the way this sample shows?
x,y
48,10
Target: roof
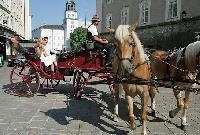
x,y
59,27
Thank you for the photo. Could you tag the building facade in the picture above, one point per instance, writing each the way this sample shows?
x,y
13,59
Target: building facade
x,y
70,21
59,35
14,18
162,23
146,12
55,34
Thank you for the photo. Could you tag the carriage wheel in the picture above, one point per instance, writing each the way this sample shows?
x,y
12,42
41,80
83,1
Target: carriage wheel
x,y
78,82
48,83
24,80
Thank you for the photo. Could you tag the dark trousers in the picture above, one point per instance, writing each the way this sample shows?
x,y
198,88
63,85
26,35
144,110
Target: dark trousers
x,y
110,48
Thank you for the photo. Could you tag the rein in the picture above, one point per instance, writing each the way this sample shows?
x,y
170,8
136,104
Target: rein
x,y
180,69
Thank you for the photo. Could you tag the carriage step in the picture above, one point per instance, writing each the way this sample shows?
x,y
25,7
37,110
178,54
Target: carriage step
x,y
103,75
67,79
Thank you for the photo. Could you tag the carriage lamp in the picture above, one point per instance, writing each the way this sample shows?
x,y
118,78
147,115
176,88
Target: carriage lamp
x,y
183,14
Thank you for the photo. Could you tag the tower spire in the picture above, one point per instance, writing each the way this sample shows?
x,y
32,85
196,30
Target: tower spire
x,y
70,5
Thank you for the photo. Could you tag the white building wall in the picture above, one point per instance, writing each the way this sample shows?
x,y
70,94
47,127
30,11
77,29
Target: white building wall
x,y
14,16
27,21
55,37
58,39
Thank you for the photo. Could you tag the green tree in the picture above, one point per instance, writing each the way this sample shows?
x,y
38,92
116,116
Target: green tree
x,y
78,36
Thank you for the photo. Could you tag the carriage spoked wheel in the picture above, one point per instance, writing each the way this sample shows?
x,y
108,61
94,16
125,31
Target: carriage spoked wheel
x,y
48,83
78,84
24,80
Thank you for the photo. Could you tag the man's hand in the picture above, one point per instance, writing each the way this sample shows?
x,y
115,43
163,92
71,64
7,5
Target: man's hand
x,y
104,41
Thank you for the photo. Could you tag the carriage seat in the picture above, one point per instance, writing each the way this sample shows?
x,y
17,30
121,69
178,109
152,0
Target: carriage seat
x,y
80,52
31,54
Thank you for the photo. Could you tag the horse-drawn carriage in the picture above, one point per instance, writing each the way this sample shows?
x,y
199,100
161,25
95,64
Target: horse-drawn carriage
x,y
28,76
130,69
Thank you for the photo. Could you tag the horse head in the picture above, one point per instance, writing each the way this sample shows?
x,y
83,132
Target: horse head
x,y
129,48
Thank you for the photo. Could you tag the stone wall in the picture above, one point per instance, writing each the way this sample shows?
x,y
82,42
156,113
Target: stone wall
x,y
167,35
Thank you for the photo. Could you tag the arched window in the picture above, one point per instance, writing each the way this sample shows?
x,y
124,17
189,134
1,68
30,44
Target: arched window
x,y
125,15
172,10
145,12
109,20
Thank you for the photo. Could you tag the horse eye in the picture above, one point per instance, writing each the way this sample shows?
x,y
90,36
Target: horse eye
x,y
131,44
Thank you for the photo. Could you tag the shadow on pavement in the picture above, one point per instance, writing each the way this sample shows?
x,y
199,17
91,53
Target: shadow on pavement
x,y
88,109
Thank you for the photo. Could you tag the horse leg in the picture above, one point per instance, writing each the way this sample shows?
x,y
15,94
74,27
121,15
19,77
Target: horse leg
x,y
131,116
116,98
180,104
188,96
152,92
144,100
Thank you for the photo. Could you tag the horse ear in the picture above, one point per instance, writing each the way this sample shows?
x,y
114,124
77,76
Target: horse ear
x,y
133,27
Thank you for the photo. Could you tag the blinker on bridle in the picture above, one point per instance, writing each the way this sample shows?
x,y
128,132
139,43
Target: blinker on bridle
x,y
132,44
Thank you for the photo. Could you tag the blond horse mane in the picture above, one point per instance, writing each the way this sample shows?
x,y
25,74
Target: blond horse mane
x,y
190,54
122,33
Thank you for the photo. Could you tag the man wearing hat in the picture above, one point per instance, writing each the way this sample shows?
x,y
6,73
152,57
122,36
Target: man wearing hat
x,y
99,43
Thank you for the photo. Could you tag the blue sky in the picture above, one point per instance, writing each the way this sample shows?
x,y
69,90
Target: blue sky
x,y
52,11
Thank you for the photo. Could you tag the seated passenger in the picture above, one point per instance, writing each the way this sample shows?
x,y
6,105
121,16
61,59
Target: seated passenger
x,y
44,56
48,51
16,46
92,35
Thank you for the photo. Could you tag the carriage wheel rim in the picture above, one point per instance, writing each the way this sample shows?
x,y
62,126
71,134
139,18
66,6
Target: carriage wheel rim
x,y
24,83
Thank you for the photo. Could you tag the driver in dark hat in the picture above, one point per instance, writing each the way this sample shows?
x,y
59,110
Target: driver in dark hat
x,y
99,43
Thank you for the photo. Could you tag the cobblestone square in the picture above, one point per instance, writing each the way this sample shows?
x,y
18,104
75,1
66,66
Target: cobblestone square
x,y
57,113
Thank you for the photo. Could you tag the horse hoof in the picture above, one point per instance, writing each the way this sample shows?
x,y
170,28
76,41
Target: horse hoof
x,y
170,114
133,126
154,114
115,118
183,127
143,133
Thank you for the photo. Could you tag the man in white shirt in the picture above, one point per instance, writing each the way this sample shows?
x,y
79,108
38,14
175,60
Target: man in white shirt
x,y
99,43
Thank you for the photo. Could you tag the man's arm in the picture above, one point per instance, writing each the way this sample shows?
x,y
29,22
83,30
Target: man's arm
x,y
102,41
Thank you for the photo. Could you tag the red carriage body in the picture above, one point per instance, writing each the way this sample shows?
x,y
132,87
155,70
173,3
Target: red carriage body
x,y
28,76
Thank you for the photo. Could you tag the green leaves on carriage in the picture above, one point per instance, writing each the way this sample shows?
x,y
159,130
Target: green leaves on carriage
x,y
79,35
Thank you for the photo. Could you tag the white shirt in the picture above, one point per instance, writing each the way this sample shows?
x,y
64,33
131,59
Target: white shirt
x,y
47,49
93,30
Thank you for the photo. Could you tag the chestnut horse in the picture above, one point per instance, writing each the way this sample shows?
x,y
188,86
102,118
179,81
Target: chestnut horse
x,y
178,67
131,63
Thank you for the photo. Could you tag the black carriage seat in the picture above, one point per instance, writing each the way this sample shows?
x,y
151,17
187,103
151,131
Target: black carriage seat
x,y
28,53
79,52
31,54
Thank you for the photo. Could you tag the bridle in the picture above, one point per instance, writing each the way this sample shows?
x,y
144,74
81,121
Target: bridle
x,y
132,45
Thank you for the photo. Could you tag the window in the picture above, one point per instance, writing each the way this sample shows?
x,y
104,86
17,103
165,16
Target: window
x,y
109,20
125,15
172,12
145,12
173,9
109,1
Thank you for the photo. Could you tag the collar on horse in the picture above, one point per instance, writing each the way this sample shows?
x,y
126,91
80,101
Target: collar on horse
x,y
134,68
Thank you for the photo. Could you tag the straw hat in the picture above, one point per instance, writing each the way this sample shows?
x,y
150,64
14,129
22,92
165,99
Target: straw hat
x,y
96,18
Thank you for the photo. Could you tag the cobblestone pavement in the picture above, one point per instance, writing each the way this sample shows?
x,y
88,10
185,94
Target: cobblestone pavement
x,y
57,113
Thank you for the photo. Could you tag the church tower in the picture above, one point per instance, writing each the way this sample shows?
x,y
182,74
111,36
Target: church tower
x,y
70,22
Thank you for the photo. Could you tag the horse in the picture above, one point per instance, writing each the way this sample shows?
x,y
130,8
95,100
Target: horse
x,y
131,63
175,69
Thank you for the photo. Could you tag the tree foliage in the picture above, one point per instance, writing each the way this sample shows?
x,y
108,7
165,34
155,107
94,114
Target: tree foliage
x,y
78,36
